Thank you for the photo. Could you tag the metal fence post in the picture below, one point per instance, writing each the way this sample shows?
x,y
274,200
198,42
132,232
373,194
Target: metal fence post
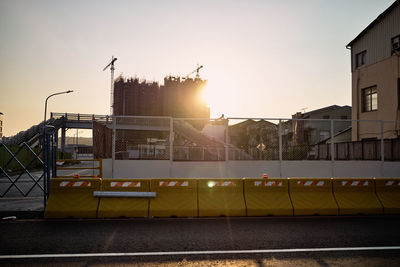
x,y
382,142
114,123
44,149
280,140
280,147
332,142
171,139
227,140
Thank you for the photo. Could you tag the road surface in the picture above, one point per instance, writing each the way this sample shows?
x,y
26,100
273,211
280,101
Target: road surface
x,y
269,241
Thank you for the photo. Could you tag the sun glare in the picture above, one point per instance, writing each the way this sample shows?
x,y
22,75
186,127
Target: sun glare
x,y
219,96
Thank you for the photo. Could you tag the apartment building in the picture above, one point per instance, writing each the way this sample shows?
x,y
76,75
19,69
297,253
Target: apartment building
x,y
375,69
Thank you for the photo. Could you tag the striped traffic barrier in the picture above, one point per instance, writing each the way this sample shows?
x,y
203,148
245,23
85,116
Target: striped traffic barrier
x,y
72,198
356,196
221,197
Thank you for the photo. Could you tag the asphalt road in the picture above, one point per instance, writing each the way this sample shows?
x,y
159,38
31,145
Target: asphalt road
x,y
27,237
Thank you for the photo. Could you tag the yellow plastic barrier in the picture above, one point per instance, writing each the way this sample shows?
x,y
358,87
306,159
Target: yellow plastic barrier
x,y
175,198
388,192
267,197
312,196
221,197
356,196
72,198
114,207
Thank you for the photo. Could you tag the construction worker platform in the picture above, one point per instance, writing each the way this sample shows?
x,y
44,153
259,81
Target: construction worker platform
x,y
188,197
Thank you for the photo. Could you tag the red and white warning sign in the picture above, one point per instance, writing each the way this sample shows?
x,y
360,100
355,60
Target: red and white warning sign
x,y
221,183
269,183
311,183
125,184
75,184
173,183
392,183
354,183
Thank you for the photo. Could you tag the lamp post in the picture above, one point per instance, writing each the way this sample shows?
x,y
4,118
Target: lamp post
x,y
45,104
47,152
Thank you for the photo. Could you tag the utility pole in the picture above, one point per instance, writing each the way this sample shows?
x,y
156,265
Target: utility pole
x,y
113,59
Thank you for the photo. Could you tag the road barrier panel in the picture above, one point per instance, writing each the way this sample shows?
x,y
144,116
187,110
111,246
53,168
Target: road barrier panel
x,y
175,198
356,196
312,196
266,197
123,194
388,192
221,197
124,198
72,198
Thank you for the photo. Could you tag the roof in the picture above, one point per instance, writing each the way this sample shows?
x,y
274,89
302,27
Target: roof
x,y
333,107
250,122
372,24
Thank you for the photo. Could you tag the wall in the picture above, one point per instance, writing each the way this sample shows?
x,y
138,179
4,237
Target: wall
x,y
377,40
384,75
217,169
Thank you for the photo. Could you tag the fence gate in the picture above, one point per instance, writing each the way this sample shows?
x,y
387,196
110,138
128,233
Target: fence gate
x,y
25,171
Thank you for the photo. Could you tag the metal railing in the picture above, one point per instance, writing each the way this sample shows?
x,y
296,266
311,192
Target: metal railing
x,y
81,117
99,168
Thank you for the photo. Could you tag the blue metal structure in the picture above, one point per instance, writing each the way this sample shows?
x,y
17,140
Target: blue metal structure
x,y
24,181
49,158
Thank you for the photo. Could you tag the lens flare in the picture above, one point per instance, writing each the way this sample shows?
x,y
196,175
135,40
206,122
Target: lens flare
x,y
211,184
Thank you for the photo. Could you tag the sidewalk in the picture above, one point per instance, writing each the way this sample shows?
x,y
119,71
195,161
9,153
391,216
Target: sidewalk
x,y
22,207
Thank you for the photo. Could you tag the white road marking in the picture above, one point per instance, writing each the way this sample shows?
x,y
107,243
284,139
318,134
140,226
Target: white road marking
x,y
180,253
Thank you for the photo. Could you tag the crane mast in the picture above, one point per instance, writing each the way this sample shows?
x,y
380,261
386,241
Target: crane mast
x,y
111,65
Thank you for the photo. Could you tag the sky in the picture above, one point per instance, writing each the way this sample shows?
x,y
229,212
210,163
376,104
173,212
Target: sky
x,y
262,59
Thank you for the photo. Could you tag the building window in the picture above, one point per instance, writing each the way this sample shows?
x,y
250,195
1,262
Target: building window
x,y
395,44
370,99
343,117
398,92
360,58
325,117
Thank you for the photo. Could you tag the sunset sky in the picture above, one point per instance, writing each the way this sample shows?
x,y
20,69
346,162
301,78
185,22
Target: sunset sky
x,y
261,58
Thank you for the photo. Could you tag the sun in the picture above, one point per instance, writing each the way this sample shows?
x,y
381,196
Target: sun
x,y
219,96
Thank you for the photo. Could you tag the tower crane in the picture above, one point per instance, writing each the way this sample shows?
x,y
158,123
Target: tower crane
x,y
197,70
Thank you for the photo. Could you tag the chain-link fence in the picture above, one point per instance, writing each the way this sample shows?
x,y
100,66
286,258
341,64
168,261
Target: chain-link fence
x,y
165,138
199,139
141,137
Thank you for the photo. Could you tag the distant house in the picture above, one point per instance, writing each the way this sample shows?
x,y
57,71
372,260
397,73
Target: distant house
x,y
258,138
375,73
315,126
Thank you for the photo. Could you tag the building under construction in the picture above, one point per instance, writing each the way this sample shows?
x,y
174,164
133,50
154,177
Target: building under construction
x,y
178,98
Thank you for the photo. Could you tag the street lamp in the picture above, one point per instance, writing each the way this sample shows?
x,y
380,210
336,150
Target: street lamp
x,y
47,152
45,104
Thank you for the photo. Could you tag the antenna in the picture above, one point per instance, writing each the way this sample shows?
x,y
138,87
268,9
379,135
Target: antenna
x,y
304,109
113,59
